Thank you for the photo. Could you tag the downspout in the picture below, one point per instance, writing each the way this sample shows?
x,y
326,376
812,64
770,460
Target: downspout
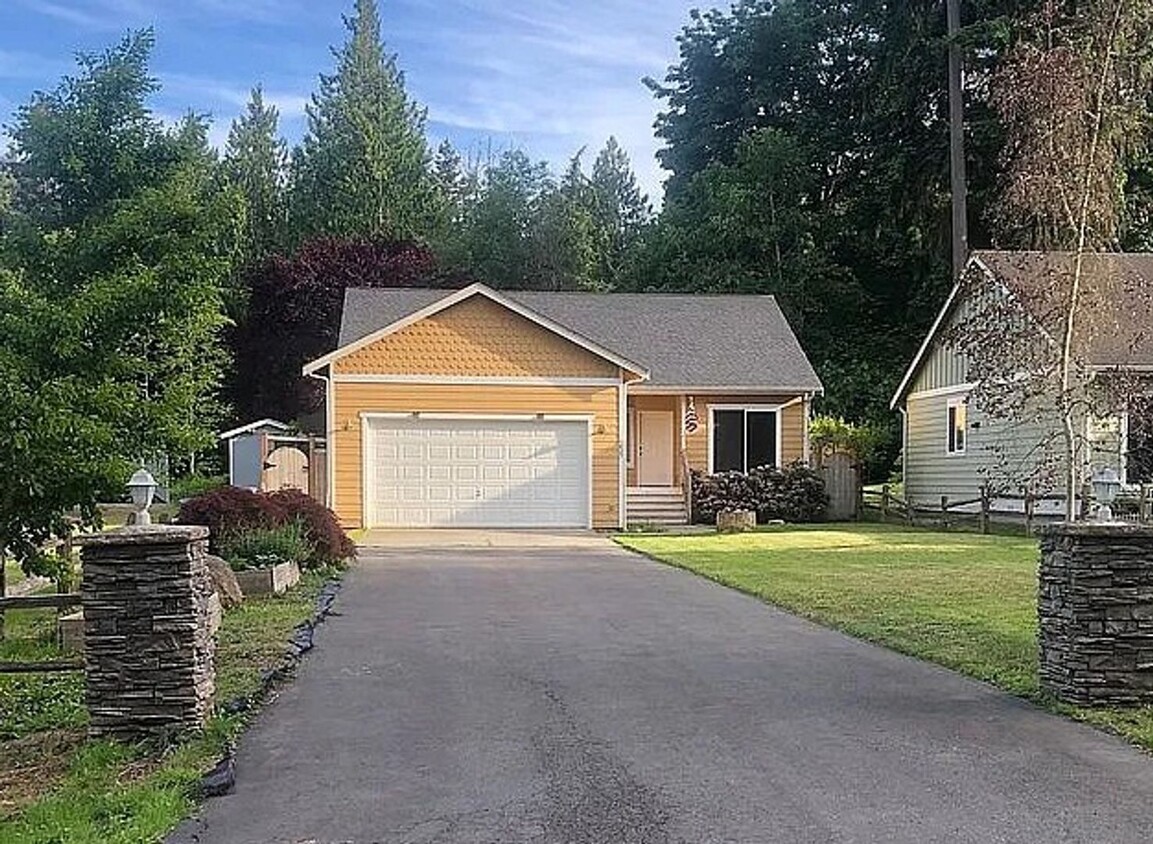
x,y
329,441
904,450
807,446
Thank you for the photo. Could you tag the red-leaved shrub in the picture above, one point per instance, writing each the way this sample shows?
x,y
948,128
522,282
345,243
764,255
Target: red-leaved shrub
x,y
330,543
231,510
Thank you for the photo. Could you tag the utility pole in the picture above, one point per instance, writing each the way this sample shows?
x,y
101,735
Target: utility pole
x,y
957,141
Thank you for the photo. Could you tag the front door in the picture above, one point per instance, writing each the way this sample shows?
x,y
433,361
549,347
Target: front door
x,y
655,448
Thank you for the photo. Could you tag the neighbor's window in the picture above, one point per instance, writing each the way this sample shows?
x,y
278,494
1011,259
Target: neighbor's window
x,y
743,439
958,426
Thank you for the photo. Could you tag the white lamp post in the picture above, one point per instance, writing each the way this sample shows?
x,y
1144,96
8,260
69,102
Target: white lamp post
x,y
142,486
1106,485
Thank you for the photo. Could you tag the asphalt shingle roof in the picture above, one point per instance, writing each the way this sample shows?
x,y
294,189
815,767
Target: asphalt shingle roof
x,y
684,340
1115,321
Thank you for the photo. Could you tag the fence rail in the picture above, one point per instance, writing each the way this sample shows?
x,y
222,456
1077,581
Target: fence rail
x,y
45,667
58,601
981,511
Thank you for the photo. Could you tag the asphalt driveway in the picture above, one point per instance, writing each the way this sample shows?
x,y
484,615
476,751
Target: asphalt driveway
x,y
588,696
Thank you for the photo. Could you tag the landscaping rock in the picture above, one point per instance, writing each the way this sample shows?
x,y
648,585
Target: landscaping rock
x,y
736,521
224,578
268,581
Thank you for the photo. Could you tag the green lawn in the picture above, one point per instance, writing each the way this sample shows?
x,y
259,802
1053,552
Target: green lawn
x,y
57,787
962,600
12,572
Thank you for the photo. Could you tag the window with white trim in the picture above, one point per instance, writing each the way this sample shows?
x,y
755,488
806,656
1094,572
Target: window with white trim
x,y
957,432
744,438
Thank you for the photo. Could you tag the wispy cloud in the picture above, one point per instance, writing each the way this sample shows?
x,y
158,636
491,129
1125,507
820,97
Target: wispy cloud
x,y
551,76
17,64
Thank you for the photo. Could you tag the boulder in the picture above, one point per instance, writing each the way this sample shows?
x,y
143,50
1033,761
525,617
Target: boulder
x,y
224,579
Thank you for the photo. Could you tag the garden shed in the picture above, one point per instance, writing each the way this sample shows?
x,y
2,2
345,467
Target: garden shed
x,y
266,455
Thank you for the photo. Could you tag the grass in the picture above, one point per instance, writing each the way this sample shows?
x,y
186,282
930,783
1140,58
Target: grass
x,y
13,574
964,601
57,787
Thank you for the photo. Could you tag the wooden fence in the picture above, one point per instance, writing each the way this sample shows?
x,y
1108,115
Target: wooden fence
x,y
60,601
981,511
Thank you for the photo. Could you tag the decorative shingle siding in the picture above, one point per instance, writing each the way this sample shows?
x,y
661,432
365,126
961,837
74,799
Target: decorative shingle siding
x,y
352,399
476,337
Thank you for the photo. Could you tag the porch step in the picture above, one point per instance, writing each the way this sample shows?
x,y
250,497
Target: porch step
x,y
655,505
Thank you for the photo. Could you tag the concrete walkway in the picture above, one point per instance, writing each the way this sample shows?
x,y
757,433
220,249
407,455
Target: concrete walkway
x,y
589,696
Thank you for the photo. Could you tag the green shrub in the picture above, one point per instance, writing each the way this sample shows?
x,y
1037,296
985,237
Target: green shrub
x,y
261,547
194,485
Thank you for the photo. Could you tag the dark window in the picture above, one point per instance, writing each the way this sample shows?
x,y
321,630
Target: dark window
x,y
728,440
744,439
958,425
762,439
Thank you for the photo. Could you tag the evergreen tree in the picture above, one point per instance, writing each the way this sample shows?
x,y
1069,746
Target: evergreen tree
x,y
497,242
566,242
362,168
455,185
620,210
255,162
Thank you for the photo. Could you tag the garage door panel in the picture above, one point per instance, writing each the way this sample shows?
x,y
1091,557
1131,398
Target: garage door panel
x,y
478,473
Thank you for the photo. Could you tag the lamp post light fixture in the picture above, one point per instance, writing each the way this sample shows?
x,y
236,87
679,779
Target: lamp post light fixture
x,y
1106,485
142,487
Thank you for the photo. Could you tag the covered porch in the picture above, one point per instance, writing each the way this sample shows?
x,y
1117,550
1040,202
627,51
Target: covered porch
x,y
669,434
656,460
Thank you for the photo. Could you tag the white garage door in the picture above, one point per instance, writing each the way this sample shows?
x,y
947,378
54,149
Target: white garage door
x,y
477,473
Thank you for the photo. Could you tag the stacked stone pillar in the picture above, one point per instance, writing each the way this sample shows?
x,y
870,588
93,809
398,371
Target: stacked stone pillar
x,y
150,613
1095,609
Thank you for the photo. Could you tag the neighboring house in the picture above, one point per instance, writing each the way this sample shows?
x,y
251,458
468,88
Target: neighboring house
x,y
951,448
532,409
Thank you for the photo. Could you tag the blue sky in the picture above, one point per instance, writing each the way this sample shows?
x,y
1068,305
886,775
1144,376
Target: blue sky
x,y
549,76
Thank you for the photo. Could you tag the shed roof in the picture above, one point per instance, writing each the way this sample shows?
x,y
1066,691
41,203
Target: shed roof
x,y
710,341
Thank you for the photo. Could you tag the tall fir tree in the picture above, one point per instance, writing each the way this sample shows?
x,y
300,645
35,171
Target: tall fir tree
x,y
255,163
363,167
620,211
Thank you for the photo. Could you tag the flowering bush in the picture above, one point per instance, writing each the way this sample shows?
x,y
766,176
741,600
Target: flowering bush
x,y
794,493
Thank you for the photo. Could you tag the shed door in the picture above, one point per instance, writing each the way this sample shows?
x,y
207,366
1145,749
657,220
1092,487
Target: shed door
x,y
477,473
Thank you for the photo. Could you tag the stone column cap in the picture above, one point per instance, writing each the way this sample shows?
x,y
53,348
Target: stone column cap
x,y
146,535
1097,529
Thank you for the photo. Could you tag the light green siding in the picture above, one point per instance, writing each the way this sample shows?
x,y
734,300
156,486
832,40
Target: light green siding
x,y
942,367
1007,455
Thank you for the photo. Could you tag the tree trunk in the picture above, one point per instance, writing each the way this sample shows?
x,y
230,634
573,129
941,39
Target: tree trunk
x,y
1068,409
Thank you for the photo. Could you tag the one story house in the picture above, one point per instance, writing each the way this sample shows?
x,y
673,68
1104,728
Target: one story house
x,y
479,408
952,447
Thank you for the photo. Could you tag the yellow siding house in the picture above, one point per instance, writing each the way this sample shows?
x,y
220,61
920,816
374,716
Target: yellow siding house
x,y
476,408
